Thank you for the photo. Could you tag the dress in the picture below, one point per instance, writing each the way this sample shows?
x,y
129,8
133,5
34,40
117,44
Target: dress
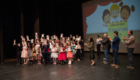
x,y
73,50
62,54
33,51
24,53
69,52
38,55
30,54
54,53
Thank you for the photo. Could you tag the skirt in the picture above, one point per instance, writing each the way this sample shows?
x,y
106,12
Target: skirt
x,y
69,54
62,56
30,53
38,57
92,55
54,55
24,54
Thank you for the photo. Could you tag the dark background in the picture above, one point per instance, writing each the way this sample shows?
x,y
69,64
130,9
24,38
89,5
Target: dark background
x,y
55,17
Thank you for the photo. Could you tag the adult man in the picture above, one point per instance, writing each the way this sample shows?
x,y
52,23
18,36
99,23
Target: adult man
x,y
115,47
46,52
130,43
105,42
19,49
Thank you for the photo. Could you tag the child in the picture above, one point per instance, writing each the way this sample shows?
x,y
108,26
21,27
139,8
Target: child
x,y
33,50
78,51
69,53
30,54
38,53
125,11
54,54
19,49
24,53
114,10
62,54
106,17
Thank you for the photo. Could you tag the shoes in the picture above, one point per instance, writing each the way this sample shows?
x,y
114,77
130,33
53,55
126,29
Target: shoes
x,y
113,64
117,66
130,67
54,63
38,63
78,60
104,59
93,64
105,62
69,62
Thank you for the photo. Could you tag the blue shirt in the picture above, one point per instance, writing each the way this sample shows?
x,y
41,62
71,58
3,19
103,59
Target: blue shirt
x,y
115,43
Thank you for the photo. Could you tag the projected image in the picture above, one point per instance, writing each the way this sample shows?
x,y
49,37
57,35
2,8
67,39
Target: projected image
x,y
115,15
122,25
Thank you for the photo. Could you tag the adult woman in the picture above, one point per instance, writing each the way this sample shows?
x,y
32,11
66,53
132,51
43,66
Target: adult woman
x,y
90,46
98,42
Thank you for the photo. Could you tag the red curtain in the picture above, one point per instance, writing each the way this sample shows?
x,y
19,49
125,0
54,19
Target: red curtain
x,y
87,11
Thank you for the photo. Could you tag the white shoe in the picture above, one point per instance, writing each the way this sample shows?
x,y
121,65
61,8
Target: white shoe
x,y
104,58
68,62
105,62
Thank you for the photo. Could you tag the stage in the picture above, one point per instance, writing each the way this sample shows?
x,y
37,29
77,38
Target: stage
x,y
77,71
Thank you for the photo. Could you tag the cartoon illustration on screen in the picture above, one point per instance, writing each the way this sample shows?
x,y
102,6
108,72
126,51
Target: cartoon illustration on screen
x,y
125,11
114,11
106,17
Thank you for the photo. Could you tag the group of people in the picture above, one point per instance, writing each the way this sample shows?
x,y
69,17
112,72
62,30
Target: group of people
x,y
67,49
106,44
49,49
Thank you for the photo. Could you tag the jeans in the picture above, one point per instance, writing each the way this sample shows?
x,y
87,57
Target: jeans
x,y
98,49
106,54
130,56
110,53
116,57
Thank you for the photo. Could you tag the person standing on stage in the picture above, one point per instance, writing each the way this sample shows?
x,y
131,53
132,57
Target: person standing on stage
x,y
46,54
130,43
115,48
90,46
98,42
105,41
19,49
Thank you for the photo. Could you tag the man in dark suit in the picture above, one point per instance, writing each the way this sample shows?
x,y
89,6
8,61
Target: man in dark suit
x,y
106,43
46,52
19,49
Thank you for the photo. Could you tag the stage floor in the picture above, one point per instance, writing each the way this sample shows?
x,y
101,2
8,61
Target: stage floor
x,y
77,71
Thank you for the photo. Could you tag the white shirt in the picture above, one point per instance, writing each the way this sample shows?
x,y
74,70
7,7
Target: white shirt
x,y
36,48
78,46
61,49
54,49
51,45
98,41
69,48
